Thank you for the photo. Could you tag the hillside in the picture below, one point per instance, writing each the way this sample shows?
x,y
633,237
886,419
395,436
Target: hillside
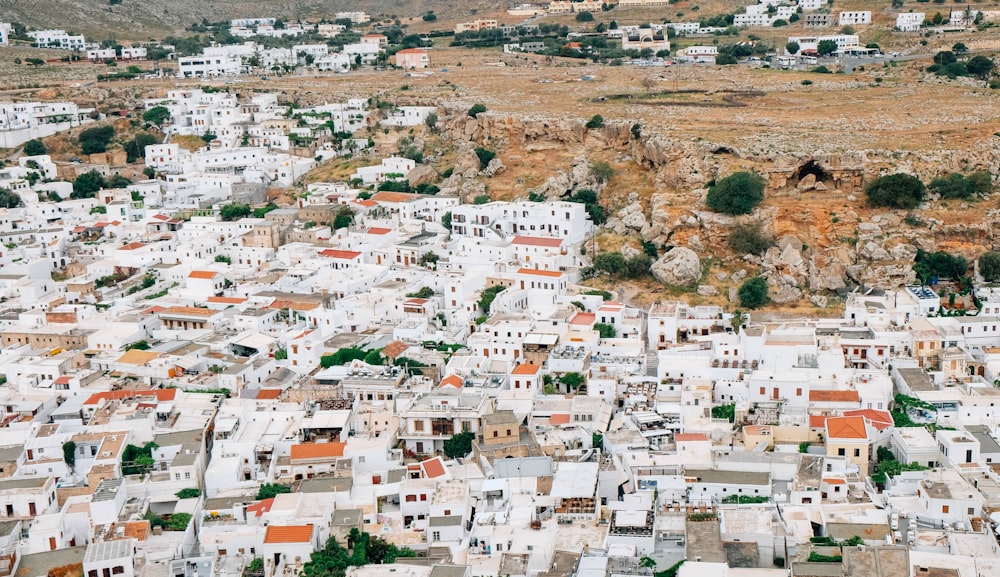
x,y
140,20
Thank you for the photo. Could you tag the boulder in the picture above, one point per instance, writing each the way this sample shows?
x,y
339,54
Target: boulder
x,y
421,174
808,181
680,266
707,290
818,300
629,251
495,167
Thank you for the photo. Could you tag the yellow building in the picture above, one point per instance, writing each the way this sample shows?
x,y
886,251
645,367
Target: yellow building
x,y
849,437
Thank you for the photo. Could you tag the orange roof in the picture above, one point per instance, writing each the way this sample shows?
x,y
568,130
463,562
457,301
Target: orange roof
x,y
537,241
288,534
834,396
583,319
817,421
190,311
525,369
452,381
834,481
394,349
261,507
531,271
161,395
63,380
846,428
379,230
132,246
137,530
317,450
208,274
269,393
389,196
368,203
559,419
227,300
433,468
879,419
689,437
344,254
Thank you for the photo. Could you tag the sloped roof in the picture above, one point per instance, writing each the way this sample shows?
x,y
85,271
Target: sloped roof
x,y
452,381
846,428
317,451
537,241
288,534
834,396
526,369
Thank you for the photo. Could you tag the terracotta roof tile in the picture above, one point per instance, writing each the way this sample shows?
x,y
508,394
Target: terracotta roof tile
x,y
559,419
288,534
683,437
433,468
834,396
344,254
525,369
161,395
394,349
534,272
452,381
583,319
317,451
269,394
378,230
846,428
537,241
206,274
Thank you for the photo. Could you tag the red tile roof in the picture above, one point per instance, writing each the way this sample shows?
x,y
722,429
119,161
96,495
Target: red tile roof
x,y
583,319
531,271
537,241
834,481
161,395
261,507
433,468
452,381
817,421
206,274
389,196
63,380
132,246
879,419
268,394
288,534
317,451
683,437
525,369
559,419
227,300
379,230
846,428
834,396
367,203
344,254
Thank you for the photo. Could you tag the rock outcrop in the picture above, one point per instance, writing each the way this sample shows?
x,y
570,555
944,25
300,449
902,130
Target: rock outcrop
x,y
680,266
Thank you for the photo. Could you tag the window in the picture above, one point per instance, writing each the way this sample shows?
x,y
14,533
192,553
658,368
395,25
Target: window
x,y
944,508
857,452
496,434
411,498
436,536
423,496
418,425
841,452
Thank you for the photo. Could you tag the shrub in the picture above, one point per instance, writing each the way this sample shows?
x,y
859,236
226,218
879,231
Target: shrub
x,y
485,156
477,109
234,211
459,445
271,490
989,266
605,330
87,184
939,264
596,121
34,148
10,199
753,293
188,493
737,193
749,238
895,191
157,115
96,140
584,16
601,171
481,199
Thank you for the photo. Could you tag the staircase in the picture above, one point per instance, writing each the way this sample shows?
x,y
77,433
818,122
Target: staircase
x,y
652,363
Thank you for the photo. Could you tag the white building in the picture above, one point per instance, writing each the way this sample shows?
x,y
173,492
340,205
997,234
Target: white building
x,y
854,17
57,39
909,21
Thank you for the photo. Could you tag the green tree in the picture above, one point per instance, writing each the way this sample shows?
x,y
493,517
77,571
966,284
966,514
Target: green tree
x,y
136,148
189,493
234,211
488,295
477,109
459,445
989,266
481,199
584,16
431,120
737,193
605,330
446,220
96,140
959,48
647,562
344,218
9,198
952,186
753,293
178,522
87,184
895,191
792,47
34,148
596,121
157,116
69,454
138,460
271,490
826,47
613,263
572,380
727,412
945,57
980,66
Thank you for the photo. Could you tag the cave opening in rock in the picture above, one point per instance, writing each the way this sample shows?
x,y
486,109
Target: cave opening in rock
x,y
812,168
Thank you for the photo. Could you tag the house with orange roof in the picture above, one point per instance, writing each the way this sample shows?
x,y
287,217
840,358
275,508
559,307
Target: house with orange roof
x,y
283,546
851,438
342,259
205,283
526,377
310,459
